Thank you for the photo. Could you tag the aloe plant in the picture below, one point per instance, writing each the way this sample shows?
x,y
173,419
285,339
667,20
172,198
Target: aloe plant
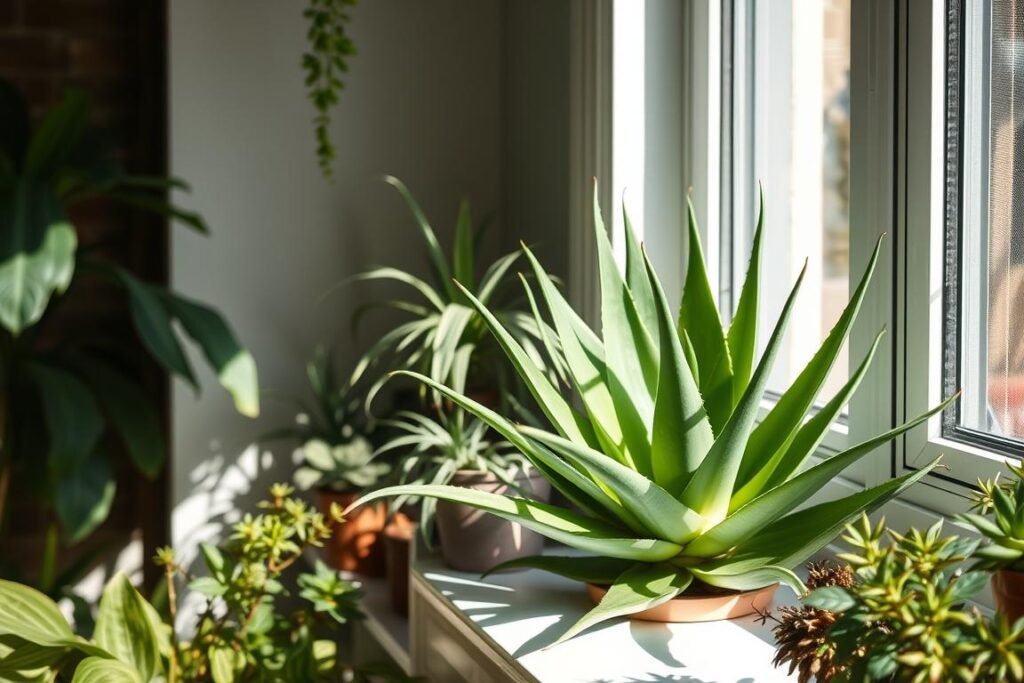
x,y
675,480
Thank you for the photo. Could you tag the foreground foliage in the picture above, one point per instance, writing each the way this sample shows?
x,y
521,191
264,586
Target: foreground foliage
x,y
244,632
904,619
1000,519
675,480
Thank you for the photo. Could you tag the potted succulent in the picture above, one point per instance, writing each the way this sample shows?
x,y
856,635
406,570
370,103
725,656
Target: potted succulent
x,y
899,613
445,337
245,632
1001,520
336,460
71,404
457,448
677,490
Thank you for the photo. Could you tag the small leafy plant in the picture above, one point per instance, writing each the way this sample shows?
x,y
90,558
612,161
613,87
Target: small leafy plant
x,y
441,446
1000,519
446,337
675,482
905,618
346,467
243,633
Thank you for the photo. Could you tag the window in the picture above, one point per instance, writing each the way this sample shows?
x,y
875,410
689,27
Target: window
x,y
788,115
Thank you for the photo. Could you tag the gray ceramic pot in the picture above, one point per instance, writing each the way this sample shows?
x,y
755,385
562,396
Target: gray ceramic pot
x,y
474,541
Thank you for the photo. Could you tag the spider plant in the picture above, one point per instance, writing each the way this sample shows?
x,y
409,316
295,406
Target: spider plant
x,y
446,337
441,446
675,479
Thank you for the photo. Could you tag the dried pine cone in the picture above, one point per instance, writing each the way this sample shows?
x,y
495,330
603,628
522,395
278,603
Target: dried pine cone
x,y
800,634
821,574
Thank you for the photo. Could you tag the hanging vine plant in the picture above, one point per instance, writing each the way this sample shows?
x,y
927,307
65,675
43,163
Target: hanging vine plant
x,y
330,49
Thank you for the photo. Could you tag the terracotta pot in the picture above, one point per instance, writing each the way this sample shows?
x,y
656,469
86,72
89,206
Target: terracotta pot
x,y
356,545
398,541
693,608
1008,589
474,541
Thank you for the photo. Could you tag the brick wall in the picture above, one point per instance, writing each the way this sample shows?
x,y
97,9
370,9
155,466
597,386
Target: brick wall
x,y
115,50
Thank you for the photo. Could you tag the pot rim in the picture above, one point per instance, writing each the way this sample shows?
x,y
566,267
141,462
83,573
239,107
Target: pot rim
x,y
700,608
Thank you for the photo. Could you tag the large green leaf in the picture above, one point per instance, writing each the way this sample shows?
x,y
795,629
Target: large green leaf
x,y
682,435
234,365
84,495
742,336
437,258
710,489
37,252
558,524
98,670
600,570
660,513
387,273
494,276
785,418
131,412
58,134
21,660
448,338
123,628
30,615
73,422
751,579
638,588
638,284
698,312
153,324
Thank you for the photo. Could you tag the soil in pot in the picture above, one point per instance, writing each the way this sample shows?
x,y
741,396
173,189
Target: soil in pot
x,y
1008,589
398,542
474,541
356,545
706,605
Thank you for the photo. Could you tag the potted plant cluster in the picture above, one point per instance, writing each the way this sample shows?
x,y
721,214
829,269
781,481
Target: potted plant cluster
x,y
1000,521
899,613
678,493
336,460
245,632
69,406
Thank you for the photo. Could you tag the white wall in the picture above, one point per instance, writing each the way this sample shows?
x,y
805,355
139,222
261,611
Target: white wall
x,y
423,102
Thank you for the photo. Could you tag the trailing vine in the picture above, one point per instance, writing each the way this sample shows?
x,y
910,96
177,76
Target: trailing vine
x,y
329,51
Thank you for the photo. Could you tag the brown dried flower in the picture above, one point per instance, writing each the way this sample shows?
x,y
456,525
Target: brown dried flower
x,y
800,635
821,574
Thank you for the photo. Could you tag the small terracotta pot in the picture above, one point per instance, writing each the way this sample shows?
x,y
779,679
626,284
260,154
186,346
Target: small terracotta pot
x,y
398,541
1008,589
474,541
693,608
356,545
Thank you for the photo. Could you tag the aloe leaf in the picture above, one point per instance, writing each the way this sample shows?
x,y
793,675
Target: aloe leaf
x,y
797,536
566,420
554,354
576,485
100,670
585,358
749,519
629,350
751,579
638,284
681,435
787,415
659,512
124,629
698,312
600,570
558,524
388,273
710,489
742,336
464,252
437,258
788,459
639,588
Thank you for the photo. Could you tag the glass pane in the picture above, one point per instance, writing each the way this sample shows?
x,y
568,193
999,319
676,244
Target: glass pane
x,y
992,266
795,79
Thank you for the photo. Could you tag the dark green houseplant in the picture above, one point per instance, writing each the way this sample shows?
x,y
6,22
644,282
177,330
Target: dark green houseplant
x,y
67,406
